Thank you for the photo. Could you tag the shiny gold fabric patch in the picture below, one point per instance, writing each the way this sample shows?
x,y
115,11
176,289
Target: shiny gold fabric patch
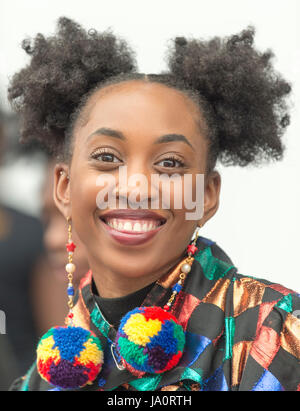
x,y
290,335
240,353
171,278
217,295
170,388
247,293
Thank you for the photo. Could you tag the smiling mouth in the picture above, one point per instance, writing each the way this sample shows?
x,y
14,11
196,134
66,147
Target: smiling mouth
x,y
133,226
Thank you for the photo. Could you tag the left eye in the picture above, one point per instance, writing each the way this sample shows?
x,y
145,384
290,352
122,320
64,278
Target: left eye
x,y
107,158
170,163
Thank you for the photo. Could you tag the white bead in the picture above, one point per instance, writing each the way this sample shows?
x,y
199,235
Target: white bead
x,y
185,268
70,268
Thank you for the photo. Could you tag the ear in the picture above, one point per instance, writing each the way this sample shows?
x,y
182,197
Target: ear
x,y
211,196
61,189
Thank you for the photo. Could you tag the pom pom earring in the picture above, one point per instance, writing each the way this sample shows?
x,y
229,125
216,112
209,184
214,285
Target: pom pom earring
x,y
150,339
69,357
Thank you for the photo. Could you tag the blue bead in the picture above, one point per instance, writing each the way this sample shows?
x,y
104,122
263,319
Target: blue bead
x,y
177,287
70,291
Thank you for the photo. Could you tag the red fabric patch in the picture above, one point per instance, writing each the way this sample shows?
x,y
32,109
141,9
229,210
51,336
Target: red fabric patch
x,y
86,280
265,346
264,310
281,289
184,308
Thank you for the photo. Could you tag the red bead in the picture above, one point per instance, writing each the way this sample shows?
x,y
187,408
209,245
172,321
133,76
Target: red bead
x,y
166,307
70,247
70,315
192,248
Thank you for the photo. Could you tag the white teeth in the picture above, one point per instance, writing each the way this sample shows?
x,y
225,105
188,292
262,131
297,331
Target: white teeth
x,y
132,225
137,227
127,226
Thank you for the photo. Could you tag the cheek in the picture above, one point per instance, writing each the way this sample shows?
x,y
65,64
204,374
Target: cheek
x,y
83,193
186,194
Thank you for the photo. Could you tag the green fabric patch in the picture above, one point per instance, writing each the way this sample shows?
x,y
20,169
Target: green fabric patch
x,y
190,374
146,383
213,268
99,322
229,336
129,350
286,303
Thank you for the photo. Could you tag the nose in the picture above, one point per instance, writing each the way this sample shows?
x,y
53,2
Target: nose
x,y
133,185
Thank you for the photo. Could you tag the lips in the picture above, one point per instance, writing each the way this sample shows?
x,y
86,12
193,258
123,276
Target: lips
x,y
132,227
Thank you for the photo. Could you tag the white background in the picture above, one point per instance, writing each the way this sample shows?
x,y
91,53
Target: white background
x,y
258,222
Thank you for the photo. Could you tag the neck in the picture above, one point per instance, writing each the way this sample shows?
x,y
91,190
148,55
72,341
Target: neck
x,y
114,285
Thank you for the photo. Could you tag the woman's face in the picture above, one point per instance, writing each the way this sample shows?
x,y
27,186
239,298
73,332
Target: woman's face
x,y
124,125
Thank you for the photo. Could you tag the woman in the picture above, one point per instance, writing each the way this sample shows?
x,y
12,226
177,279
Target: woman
x,y
200,324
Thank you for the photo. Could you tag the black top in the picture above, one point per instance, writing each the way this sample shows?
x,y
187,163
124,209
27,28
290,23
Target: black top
x,y
113,309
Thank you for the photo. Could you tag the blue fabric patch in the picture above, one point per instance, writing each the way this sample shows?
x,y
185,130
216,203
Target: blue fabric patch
x,y
268,382
206,241
194,346
101,382
217,382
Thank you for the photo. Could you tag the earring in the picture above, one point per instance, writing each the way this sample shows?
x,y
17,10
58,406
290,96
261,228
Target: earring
x,y
150,339
197,231
69,357
63,173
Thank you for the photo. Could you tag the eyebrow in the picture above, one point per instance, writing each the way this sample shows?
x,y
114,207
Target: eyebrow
x,y
167,138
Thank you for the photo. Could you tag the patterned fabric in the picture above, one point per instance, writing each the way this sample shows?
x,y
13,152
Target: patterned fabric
x,y
242,333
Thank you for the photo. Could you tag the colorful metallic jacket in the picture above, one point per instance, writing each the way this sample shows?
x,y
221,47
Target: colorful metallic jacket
x,y
242,333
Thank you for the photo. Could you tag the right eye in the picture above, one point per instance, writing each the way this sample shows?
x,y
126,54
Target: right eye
x,y
105,156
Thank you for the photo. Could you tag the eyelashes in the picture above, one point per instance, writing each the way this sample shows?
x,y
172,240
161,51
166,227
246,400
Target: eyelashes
x,y
171,159
108,156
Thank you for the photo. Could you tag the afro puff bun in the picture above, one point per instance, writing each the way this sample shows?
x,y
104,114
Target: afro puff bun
x,y
243,99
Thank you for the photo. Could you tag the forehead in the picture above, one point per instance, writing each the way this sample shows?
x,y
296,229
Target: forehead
x,y
141,105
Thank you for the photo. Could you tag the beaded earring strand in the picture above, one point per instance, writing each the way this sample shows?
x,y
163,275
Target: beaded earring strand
x,y
69,357
150,339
